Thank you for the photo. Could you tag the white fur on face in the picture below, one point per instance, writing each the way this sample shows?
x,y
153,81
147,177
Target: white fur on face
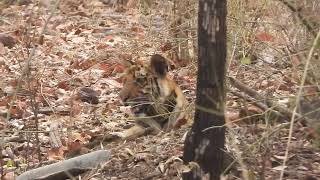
x,y
141,115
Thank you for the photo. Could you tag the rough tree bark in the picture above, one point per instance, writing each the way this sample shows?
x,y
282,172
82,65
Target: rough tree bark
x,y
203,150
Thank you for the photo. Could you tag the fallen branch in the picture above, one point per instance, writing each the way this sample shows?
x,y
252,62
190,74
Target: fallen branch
x,y
250,99
67,168
14,139
254,94
259,104
49,110
100,139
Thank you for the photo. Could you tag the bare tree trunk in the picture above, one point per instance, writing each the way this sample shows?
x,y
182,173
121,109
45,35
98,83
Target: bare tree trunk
x,y
204,144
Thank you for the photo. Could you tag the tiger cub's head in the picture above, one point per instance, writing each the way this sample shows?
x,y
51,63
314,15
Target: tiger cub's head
x,y
148,89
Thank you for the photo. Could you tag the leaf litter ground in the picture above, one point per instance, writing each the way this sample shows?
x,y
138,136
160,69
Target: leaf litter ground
x,y
83,47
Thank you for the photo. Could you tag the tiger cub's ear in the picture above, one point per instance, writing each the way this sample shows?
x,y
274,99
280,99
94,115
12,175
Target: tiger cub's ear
x,y
159,65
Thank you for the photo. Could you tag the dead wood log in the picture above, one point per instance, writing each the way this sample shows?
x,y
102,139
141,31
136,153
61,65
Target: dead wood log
x,y
254,94
100,139
259,104
250,99
49,110
67,168
14,139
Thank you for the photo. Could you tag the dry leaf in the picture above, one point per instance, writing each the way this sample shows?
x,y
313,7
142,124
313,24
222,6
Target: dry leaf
x,y
279,168
8,176
75,109
2,123
64,85
7,40
57,153
2,49
265,37
78,40
113,84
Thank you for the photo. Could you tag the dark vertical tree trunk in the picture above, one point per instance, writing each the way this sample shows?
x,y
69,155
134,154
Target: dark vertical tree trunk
x,y
205,142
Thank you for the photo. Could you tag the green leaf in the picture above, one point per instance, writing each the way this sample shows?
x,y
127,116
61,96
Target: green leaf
x,y
10,163
245,60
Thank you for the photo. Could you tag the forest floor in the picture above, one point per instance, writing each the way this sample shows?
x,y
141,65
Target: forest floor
x,y
82,46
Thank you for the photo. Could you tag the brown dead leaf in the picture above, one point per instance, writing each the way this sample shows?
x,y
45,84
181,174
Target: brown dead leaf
x,y
78,40
2,49
180,62
264,37
131,3
75,146
105,67
4,101
264,84
136,29
311,91
2,123
118,68
250,114
13,82
101,46
109,38
76,108
180,122
84,65
166,47
88,95
125,57
57,153
80,13
119,79
295,61
255,109
8,176
111,68
41,40
7,40
64,85
286,85
113,84
232,116
69,71
49,91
